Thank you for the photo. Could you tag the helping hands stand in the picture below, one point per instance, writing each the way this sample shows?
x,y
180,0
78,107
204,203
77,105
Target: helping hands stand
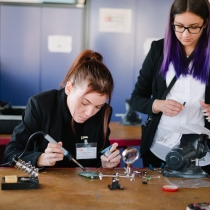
x,y
130,155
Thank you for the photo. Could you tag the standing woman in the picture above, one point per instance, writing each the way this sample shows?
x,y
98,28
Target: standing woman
x,y
184,53
76,115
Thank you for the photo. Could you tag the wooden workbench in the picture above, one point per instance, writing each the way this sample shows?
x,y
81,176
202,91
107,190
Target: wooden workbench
x,y
125,135
64,189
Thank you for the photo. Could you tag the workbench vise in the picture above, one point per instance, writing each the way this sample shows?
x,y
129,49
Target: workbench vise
x,y
183,160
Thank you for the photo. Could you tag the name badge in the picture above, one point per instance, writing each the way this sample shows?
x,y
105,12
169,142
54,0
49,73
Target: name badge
x,y
86,150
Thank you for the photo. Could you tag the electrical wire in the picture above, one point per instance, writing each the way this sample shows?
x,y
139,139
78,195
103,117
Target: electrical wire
x,y
28,142
5,164
67,154
29,139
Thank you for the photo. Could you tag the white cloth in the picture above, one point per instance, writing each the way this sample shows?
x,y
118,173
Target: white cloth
x,y
189,90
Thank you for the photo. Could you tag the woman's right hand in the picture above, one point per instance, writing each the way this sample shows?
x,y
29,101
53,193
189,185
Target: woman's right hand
x,y
168,107
52,154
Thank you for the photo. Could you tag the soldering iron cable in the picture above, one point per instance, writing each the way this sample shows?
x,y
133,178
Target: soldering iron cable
x,y
66,153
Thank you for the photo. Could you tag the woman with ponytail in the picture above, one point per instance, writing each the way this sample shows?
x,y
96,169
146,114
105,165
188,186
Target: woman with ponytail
x,y
77,116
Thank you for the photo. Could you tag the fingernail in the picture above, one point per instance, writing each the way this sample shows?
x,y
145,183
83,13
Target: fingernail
x,y
205,114
203,110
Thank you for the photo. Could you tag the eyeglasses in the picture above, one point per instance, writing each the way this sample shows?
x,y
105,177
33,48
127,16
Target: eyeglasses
x,y
191,29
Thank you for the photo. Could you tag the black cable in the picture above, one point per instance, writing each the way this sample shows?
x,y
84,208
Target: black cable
x,y
28,142
67,154
38,132
5,164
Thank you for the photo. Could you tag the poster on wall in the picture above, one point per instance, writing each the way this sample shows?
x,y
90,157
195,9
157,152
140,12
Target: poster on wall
x,y
115,20
59,44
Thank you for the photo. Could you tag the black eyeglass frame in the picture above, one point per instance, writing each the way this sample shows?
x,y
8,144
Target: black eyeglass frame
x,y
200,27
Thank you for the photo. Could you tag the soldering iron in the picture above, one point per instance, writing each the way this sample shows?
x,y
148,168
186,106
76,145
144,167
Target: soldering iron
x,y
66,153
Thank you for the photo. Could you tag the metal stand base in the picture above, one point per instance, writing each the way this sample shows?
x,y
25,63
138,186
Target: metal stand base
x,y
115,185
191,172
23,183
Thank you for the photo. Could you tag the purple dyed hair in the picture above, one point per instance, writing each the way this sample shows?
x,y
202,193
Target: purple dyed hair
x,y
173,49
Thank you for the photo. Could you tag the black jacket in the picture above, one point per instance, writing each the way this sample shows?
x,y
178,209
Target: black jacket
x,y
48,112
150,86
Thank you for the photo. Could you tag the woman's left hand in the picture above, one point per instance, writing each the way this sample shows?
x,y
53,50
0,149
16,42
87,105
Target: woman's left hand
x,y
113,160
206,110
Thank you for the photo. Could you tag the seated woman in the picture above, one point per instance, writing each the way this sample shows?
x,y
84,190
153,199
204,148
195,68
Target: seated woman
x,y
77,116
